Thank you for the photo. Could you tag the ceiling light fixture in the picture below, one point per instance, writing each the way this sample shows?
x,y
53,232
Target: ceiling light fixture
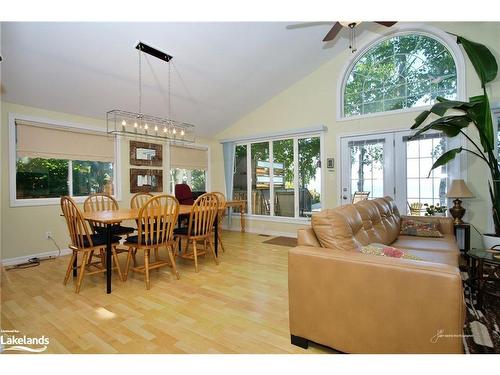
x,y
120,122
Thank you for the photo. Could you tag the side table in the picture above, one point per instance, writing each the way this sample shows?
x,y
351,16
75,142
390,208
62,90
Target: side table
x,y
462,234
483,285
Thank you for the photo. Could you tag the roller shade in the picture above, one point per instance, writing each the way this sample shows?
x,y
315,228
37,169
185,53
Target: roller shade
x,y
41,141
188,158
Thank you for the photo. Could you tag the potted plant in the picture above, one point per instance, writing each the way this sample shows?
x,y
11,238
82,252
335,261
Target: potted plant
x,y
476,112
434,210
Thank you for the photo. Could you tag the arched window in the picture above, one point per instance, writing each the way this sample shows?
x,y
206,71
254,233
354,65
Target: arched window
x,y
403,71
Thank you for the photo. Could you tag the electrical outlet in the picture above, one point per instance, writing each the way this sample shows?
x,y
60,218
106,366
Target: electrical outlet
x,y
48,235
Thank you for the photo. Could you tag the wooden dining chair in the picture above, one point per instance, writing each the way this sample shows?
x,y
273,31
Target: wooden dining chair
x,y
139,199
200,228
157,219
86,242
104,202
220,217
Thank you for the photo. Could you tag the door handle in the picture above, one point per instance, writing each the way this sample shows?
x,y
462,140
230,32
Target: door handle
x,y
344,197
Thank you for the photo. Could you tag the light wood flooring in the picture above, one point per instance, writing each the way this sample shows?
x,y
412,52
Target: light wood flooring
x,y
240,306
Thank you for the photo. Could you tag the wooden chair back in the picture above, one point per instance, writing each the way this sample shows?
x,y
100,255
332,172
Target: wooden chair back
x,y
99,202
202,215
157,219
222,205
139,199
78,227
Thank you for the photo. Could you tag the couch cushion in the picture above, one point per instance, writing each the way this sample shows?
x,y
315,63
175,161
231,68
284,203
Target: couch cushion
x,y
372,222
442,257
389,216
336,230
445,244
418,228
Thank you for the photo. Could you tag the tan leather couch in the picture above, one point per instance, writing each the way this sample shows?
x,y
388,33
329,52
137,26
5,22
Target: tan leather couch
x,y
361,303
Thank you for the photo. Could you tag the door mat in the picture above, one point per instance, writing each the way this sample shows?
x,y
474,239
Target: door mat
x,y
282,241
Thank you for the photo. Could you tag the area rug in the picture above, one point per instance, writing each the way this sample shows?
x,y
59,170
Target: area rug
x,y
481,330
282,241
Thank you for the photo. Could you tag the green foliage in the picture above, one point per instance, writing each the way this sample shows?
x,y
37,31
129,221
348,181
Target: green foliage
x,y
433,210
41,178
476,112
400,72
89,177
198,180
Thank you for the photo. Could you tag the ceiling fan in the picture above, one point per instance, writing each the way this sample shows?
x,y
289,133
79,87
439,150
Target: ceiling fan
x,y
351,26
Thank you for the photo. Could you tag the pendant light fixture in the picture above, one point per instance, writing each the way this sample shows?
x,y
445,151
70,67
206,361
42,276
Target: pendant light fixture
x,y
140,125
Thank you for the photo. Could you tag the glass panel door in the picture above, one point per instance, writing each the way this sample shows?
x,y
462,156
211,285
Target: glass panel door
x,y
367,166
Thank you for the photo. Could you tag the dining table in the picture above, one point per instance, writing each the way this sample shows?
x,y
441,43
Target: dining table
x,y
108,218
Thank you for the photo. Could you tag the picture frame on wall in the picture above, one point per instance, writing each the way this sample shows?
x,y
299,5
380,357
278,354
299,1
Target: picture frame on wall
x,y
146,154
146,180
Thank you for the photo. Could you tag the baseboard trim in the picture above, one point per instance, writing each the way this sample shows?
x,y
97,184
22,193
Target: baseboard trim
x,y
25,258
260,231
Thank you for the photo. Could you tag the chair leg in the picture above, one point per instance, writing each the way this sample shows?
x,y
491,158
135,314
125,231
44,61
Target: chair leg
x,y
117,264
91,256
212,250
195,255
127,265
134,253
221,244
103,258
157,255
82,272
70,268
170,251
146,268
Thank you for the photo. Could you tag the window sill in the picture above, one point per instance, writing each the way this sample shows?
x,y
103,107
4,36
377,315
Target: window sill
x,y
47,201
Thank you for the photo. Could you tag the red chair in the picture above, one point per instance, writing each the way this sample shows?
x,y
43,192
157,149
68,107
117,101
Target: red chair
x,y
184,194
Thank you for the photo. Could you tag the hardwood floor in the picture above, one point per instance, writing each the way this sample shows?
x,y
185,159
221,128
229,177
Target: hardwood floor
x,y
240,306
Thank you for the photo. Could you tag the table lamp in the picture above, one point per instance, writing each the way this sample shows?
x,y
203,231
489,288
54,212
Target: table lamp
x,y
458,189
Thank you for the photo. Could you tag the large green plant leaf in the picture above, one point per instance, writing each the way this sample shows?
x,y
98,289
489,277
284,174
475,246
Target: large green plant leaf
x,y
446,158
482,116
450,125
481,58
440,109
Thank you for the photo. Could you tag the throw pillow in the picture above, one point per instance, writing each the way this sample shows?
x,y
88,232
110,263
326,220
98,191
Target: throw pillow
x,y
387,251
419,228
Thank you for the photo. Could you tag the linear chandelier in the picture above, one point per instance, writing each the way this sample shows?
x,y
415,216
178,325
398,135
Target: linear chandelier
x,y
140,125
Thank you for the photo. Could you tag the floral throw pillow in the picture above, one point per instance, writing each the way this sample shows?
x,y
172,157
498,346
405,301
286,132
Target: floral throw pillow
x,y
420,228
387,251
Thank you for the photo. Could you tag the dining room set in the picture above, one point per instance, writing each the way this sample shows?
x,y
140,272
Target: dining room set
x,y
182,226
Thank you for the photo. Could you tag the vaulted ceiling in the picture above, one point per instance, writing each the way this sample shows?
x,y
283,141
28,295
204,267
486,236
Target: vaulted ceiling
x,y
225,69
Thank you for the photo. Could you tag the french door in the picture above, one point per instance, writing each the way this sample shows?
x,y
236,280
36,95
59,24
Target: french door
x,y
393,164
367,162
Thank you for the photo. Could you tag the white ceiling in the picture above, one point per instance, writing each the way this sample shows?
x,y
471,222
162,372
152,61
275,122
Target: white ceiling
x,y
227,69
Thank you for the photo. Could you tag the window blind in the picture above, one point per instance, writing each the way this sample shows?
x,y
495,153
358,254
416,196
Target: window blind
x,y
406,138
36,140
188,158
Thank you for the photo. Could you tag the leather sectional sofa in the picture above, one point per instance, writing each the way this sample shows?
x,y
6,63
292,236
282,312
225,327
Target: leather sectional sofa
x,y
361,303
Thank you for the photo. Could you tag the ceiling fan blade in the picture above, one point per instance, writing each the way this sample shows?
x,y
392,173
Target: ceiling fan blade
x,y
333,32
386,23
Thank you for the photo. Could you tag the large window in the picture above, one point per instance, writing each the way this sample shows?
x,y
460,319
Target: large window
x,y
279,177
52,161
403,71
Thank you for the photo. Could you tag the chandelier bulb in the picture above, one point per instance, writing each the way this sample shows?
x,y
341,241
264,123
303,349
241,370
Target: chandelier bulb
x,y
156,128
146,126
124,123
164,129
174,131
182,132
135,125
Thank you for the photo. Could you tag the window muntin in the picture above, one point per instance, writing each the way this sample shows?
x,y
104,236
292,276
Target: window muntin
x,y
404,71
422,187
294,163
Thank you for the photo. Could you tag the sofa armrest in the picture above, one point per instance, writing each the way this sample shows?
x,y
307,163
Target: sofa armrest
x,y
445,223
307,237
360,303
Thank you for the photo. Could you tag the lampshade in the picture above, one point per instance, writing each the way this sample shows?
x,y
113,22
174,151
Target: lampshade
x,y
459,189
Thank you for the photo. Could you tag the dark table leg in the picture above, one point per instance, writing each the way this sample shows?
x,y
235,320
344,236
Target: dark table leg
x,y
108,259
480,284
75,264
216,235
